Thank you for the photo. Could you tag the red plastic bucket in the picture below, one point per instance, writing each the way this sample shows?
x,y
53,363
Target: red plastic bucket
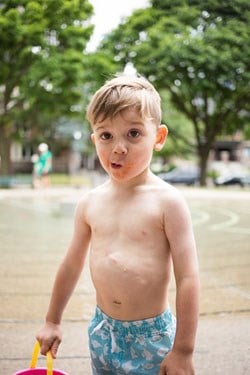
x,y
38,371
33,370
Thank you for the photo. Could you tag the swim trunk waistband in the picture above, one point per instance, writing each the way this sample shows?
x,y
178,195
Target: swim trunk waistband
x,y
135,327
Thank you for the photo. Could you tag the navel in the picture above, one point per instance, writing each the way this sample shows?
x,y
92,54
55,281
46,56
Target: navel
x,y
117,302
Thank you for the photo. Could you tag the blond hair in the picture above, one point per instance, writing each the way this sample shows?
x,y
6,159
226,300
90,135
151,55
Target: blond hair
x,y
124,92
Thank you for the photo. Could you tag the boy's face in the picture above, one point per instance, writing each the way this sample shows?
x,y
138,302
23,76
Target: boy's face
x,y
124,144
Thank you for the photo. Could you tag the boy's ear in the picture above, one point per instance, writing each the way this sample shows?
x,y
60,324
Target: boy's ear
x,y
92,136
162,133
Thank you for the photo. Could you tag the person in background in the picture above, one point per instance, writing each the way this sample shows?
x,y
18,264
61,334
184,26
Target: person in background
x,y
42,166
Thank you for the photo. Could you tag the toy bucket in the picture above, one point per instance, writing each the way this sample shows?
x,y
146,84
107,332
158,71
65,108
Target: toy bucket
x,y
33,370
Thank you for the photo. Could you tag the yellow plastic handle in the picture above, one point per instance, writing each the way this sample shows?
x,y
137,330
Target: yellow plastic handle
x,y
34,359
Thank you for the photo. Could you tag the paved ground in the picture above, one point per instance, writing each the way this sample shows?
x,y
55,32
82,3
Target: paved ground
x,y
35,228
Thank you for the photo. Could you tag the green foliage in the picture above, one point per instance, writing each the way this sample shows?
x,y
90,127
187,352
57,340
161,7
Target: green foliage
x,y
180,131
199,52
41,62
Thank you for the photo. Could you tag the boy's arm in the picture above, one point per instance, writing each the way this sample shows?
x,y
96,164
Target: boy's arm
x,y
65,281
183,250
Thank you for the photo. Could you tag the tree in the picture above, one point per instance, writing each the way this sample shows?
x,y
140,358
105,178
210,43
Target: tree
x,y
41,69
199,51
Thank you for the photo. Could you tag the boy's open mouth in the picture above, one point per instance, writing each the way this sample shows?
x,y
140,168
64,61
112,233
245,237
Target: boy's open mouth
x,y
116,166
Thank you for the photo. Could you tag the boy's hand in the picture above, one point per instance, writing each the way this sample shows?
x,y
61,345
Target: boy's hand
x,y
50,337
177,363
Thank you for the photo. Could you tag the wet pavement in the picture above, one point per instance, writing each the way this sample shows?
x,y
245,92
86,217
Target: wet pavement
x,y
35,229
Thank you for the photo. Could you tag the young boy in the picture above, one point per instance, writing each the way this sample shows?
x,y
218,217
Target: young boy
x,y
134,226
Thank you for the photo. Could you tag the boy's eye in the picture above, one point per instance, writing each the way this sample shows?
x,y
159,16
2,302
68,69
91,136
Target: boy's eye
x,y
133,133
105,136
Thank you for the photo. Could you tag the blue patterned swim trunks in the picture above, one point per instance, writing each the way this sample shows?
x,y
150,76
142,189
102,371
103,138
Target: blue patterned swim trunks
x,y
119,347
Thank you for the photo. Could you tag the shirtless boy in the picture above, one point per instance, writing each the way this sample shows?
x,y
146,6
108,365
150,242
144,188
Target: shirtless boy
x,y
135,226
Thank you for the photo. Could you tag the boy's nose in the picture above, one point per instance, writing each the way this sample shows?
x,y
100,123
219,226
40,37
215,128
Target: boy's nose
x,y
120,148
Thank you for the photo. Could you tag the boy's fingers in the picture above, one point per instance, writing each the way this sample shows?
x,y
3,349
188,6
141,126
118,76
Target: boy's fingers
x,y
54,348
46,345
162,371
44,348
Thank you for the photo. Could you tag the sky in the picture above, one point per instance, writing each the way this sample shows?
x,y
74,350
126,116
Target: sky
x,y
108,14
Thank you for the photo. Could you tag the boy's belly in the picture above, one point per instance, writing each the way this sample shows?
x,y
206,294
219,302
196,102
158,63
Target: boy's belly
x,y
130,288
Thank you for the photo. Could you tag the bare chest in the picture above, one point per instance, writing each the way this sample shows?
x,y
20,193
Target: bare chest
x,y
133,221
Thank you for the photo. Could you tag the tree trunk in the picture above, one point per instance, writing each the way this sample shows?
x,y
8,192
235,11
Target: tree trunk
x,y
5,143
203,152
203,171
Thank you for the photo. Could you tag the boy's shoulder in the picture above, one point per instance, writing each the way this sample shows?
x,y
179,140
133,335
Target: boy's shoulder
x,y
169,196
92,194
167,190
